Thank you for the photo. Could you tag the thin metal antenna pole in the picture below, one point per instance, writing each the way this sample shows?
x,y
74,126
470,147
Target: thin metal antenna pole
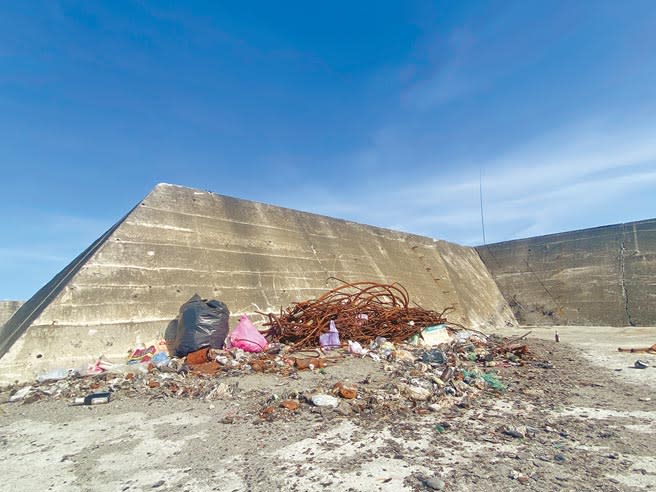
x,y
480,194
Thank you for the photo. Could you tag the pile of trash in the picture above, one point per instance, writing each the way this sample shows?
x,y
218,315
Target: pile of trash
x,y
429,365
362,310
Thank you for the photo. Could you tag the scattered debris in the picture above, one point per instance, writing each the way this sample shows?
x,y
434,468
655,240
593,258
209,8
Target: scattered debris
x,y
93,399
428,362
290,404
648,350
346,392
20,394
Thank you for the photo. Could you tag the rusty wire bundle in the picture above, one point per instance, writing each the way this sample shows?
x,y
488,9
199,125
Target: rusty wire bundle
x,y
362,311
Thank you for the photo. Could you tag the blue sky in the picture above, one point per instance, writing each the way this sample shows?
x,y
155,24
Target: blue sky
x,y
378,112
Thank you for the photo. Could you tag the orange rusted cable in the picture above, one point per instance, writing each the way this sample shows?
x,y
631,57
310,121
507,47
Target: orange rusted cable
x,y
386,306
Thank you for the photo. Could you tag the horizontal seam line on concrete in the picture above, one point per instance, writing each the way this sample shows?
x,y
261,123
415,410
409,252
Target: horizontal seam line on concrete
x,y
158,226
362,227
223,250
213,217
175,269
195,286
126,322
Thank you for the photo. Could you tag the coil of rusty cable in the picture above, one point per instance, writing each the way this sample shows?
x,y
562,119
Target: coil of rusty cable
x,y
361,310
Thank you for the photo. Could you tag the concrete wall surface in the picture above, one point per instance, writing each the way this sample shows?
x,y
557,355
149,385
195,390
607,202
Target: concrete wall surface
x,y
7,310
600,276
129,285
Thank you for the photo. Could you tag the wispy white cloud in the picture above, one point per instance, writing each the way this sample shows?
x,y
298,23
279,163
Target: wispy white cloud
x,y
38,255
450,74
583,175
55,239
44,245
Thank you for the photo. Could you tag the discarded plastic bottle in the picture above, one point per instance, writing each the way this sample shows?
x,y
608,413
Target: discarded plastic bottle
x,y
93,399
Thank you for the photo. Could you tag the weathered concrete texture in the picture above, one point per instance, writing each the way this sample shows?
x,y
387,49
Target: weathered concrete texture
x,y
252,256
7,310
600,276
639,271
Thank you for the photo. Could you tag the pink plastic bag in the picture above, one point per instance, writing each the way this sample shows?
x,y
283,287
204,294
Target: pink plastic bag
x,y
246,337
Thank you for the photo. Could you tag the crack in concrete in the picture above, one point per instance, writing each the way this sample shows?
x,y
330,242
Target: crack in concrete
x,y
625,295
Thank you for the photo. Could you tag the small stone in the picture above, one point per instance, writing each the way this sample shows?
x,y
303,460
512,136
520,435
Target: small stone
x,y
20,394
434,483
514,474
644,399
159,483
641,364
325,401
415,393
532,430
523,479
344,409
514,432
464,403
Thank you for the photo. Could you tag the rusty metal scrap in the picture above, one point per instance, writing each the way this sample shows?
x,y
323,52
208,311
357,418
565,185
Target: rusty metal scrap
x,y
361,311
648,350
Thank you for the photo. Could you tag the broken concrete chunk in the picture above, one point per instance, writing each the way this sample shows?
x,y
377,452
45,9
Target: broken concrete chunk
x,y
321,400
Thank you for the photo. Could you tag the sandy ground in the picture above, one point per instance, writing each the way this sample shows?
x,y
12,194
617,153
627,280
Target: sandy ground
x,y
588,421
599,345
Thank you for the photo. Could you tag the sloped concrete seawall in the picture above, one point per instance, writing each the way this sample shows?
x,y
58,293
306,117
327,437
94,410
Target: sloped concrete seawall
x,y
7,310
599,276
129,285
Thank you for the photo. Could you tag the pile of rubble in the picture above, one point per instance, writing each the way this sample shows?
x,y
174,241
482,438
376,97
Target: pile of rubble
x,y
421,378
426,366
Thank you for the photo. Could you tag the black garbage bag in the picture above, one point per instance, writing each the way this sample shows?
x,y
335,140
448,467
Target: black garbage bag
x,y
201,323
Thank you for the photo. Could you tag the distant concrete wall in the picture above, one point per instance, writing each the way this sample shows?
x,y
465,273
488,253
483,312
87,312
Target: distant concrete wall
x,y
600,276
7,310
129,285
